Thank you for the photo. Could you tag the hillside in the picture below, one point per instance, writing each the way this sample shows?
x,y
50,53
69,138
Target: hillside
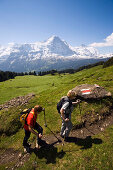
x,y
86,149
109,62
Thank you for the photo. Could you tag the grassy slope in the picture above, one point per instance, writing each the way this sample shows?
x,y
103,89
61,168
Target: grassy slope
x,y
96,157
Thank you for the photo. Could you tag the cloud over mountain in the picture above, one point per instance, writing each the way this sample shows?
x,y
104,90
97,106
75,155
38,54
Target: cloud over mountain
x,y
108,41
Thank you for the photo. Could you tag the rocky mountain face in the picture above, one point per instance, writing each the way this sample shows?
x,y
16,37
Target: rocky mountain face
x,y
51,54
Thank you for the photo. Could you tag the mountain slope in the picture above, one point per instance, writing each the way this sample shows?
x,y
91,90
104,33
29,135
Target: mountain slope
x,y
90,147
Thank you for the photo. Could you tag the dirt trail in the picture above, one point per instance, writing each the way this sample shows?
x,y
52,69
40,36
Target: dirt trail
x,y
80,135
85,130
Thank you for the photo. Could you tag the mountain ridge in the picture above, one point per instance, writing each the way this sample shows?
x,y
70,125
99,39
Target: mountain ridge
x,y
51,54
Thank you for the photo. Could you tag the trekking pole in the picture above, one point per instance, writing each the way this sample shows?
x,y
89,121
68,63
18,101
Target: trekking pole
x,y
44,118
49,128
80,108
80,111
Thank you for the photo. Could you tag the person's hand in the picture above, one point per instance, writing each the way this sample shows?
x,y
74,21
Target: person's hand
x,y
78,100
66,120
40,135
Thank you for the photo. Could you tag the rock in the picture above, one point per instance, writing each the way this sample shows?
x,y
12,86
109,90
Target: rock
x,y
88,91
20,155
102,129
81,131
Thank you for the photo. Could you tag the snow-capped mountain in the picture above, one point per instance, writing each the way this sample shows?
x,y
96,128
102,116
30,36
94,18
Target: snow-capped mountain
x,y
51,54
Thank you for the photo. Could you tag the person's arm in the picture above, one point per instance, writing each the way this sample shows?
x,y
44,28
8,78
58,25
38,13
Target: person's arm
x,y
35,133
62,111
62,114
77,101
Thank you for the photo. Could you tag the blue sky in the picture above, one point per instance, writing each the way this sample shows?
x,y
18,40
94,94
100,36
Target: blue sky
x,y
88,22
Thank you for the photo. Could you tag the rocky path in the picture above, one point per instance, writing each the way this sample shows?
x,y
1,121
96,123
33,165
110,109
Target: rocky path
x,y
18,101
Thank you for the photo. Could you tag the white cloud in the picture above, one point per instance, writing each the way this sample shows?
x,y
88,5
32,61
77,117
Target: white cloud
x,y
108,42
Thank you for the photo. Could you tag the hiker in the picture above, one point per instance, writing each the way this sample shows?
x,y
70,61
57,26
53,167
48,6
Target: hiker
x,y
65,113
30,127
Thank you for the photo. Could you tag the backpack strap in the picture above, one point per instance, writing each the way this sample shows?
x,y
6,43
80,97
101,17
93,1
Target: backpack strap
x,y
29,111
69,101
32,111
66,99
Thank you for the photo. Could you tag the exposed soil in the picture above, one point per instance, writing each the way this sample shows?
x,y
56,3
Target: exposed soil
x,y
81,135
17,101
85,129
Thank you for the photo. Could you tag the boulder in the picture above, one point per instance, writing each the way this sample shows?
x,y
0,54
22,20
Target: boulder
x,y
88,91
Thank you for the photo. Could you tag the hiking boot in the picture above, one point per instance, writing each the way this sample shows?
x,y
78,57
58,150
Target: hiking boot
x,y
37,145
27,148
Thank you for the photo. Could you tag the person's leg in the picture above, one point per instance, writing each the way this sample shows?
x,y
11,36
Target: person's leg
x,y
63,127
40,131
69,126
25,144
38,128
27,135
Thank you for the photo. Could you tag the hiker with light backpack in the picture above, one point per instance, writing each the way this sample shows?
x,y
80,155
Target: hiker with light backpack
x,y
31,126
65,108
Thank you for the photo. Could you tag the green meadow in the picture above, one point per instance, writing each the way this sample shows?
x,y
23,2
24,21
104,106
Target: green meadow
x,y
48,90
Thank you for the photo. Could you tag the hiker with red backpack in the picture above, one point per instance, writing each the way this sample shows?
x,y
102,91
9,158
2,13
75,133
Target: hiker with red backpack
x,y
65,108
31,125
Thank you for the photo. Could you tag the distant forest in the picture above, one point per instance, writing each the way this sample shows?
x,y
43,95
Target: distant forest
x,y
108,63
70,71
11,75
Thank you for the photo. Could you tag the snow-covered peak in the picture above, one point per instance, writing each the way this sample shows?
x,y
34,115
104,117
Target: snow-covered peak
x,y
53,39
52,53
54,47
83,46
57,46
